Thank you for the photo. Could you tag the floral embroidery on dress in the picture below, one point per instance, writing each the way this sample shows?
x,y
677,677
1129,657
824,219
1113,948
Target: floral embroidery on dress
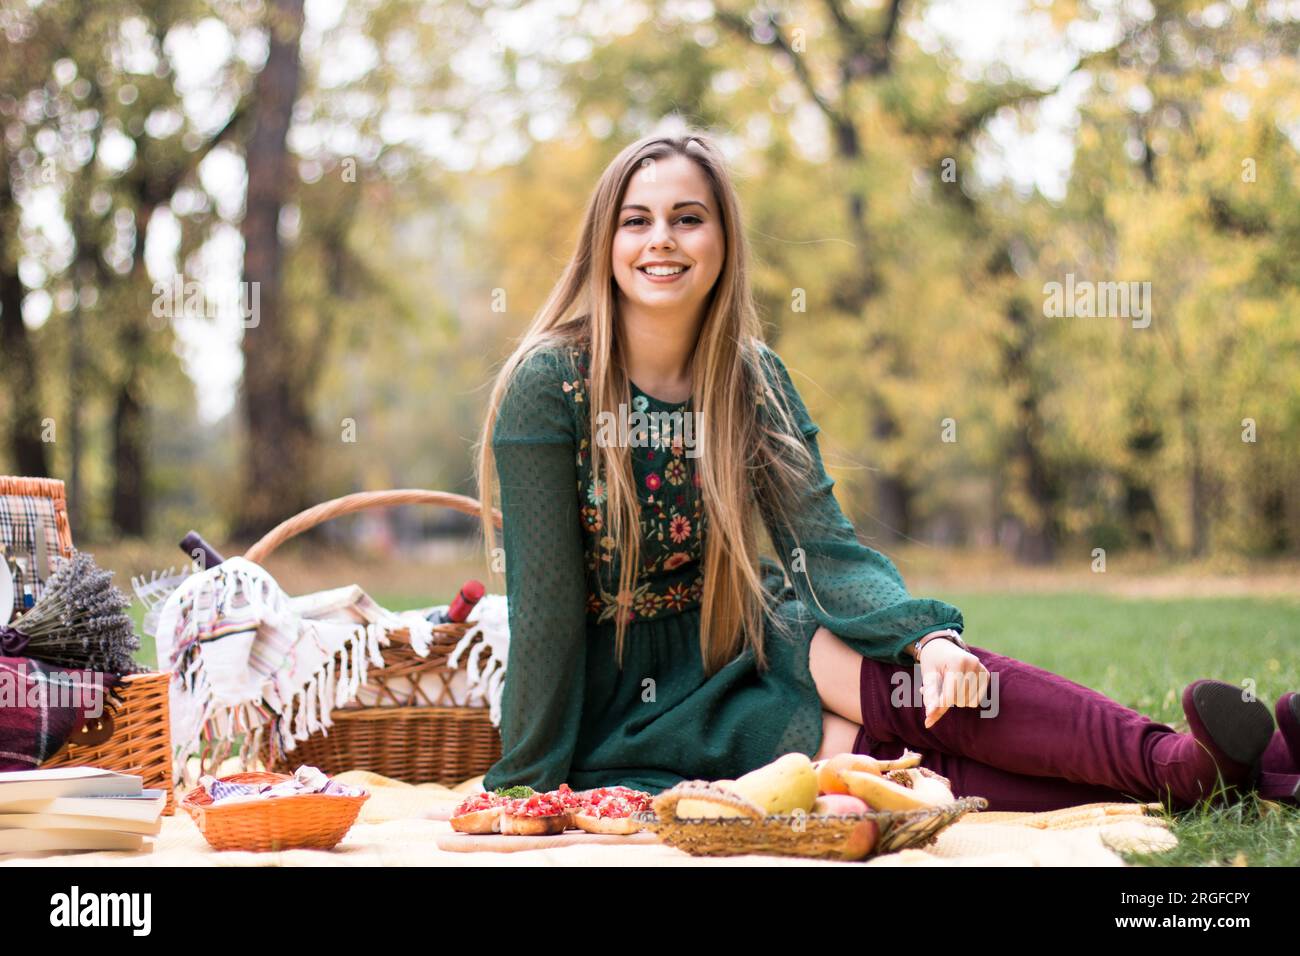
x,y
672,520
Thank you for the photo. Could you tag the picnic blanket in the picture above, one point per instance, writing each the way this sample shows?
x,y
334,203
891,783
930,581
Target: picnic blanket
x,y
393,830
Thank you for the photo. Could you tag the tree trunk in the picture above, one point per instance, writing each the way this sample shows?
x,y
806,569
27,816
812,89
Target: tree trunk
x,y
1272,508
1199,503
277,465
1041,532
893,493
18,365
1199,489
130,424
129,440
1140,508
1039,482
76,396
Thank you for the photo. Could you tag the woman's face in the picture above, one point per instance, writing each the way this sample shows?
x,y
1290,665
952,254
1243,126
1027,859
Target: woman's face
x,y
668,217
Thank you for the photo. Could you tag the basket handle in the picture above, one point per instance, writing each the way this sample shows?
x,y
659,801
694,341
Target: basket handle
x,y
360,501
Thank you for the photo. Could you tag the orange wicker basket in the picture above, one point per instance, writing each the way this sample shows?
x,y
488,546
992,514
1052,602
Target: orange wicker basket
x,y
414,739
316,821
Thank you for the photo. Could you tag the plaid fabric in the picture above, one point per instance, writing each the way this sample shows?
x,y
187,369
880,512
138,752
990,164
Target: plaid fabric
x,y
42,706
305,780
29,530
220,789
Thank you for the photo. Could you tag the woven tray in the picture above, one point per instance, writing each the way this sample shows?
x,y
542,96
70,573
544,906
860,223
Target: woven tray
x,y
851,837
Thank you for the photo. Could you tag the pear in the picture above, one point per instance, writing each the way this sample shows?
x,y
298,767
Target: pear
x,y
787,784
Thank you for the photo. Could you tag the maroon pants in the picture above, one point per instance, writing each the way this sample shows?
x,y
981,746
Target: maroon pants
x,y
1040,741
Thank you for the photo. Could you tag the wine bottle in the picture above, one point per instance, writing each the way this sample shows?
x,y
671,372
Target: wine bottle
x,y
460,606
199,550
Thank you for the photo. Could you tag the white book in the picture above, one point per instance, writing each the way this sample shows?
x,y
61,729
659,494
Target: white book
x,y
38,841
69,821
67,782
148,806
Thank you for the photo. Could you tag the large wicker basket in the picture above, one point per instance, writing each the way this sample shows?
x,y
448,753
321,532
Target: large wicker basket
x,y
141,740
413,739
34,516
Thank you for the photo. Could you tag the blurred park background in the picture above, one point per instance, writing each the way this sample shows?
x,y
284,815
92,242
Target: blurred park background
x,y
1035,266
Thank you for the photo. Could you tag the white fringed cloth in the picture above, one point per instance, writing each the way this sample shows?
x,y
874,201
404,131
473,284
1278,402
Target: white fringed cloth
x,y
245,662
484,664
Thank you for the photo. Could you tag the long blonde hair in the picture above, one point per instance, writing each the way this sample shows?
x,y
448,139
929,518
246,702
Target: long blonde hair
x,y
745,463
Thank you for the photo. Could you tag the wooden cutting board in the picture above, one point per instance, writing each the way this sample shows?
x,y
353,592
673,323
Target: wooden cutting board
x,y
498,843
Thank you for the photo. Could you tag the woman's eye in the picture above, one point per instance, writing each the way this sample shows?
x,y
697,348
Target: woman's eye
x,y
637,219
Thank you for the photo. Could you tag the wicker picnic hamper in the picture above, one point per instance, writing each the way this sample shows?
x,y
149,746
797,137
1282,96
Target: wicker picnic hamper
x,y
141,739
34,522
316,821
34,525
413,738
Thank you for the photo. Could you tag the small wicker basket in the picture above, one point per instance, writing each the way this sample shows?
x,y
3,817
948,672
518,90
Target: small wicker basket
x,y
852,837
409,738
316,821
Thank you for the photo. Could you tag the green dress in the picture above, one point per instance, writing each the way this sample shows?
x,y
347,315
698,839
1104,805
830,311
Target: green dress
x,y
568,713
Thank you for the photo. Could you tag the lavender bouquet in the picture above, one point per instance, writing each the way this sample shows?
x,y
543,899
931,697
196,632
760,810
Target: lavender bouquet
x,y
79,622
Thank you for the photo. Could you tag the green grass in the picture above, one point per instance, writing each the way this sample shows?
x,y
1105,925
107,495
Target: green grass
x,y
1141,652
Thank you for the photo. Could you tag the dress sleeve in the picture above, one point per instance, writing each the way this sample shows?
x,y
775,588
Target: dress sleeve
x,y
536,461
862,597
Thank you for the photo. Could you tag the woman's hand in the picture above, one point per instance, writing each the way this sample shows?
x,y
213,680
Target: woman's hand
x,y
950,677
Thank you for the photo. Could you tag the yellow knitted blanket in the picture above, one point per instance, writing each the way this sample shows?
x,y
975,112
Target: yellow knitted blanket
x,y
395,829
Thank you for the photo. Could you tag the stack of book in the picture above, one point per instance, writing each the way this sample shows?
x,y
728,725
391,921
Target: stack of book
x,y
76,808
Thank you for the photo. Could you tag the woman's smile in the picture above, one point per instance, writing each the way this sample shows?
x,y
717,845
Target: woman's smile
x,y
663,272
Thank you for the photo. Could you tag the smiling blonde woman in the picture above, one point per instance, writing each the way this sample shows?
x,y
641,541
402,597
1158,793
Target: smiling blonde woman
x,y
650,642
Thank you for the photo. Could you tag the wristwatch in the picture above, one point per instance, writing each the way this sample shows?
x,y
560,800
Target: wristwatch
x,y
949,633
